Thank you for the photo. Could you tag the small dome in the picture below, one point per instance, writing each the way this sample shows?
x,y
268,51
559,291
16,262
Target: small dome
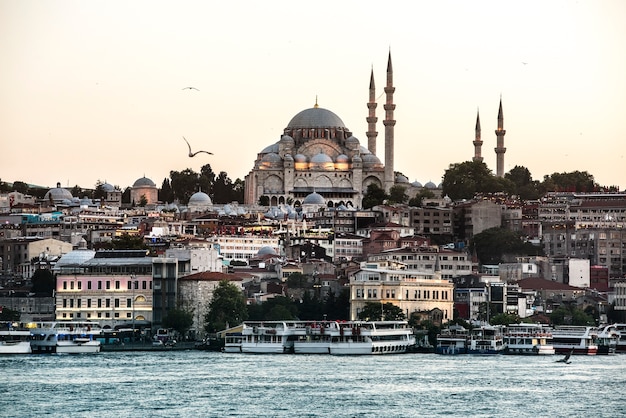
x,y
58,194
199,199
266,251
288,157
287,141
144,182
300,158
372,161
314,199
352,140
322,161
357,159
108,187
430,185
342,158
401,178
271,158
270,148
364,150
417,184
315,117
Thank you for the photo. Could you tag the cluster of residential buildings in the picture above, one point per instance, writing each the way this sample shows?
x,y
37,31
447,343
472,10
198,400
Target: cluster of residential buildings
x,y
414,257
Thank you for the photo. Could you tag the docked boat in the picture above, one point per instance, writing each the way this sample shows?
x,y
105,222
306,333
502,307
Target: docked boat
x,y
266,337
607,340
528,339
486,339
371,337
232,342
575,339
66,337
452,340
314,337
619,331
15,341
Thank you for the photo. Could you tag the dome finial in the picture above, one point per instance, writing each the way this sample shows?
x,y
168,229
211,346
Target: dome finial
x,y
316,105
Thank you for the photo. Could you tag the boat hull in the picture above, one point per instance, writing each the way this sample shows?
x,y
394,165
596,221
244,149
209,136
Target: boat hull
x,y
18,347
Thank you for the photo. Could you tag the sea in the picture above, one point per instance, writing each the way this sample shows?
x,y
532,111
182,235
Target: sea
x,y
211,384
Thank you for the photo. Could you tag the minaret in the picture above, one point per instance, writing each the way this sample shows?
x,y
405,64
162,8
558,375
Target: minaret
x,y
389,123
478,143
371,118
500,150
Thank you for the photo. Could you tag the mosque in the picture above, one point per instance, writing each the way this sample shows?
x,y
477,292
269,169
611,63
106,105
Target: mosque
x,y
318,155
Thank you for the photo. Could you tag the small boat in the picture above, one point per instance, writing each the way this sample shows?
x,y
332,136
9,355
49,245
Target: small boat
x,y
580,339
15,341
372,337
486,339
66,337
452,340
528,339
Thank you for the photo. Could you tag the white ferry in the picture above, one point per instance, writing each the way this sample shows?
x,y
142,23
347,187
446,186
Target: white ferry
x,y
607,339
15,341
452,340
325,337
486,339
66,337
372,337
267,337
528,339
575,339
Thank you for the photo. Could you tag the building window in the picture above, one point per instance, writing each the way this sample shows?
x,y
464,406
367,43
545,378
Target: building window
x,y
128,302
108,284
99,284
78,303
89,285
89,303
79,285
117,303
117,284
108,303
130,285
71,285
99,303
64,285
143,284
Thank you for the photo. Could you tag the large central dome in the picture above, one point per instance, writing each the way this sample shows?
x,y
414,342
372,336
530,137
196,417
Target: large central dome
x,y
315,117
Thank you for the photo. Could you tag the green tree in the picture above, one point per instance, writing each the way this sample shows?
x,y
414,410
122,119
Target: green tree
x,y
374,195
178,319
397,194
143,201
43,282
222,188
504,319
226,309
9,315
492,244
523,184
464,180
264,200
184,184
416,201
375,311
576,181
99,192
126,242
20,186
166,194
570,315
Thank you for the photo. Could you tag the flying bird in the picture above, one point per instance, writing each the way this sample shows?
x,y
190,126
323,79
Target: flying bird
x,y
190,88
566,358
193,154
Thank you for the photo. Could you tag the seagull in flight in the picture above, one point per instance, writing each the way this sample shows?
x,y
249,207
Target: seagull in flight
x,y
193,154
190,88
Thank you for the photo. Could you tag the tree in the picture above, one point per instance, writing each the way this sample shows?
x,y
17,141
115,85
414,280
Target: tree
x,y
43,282
570,315
374,195
77,191
143,201
523,183
493,244
464,180
20,186
9,315
397,194
375,311
178,319
99,192
126,242
504,319
264,200
576,181
420,196
166,194
222,188
184,184
226,309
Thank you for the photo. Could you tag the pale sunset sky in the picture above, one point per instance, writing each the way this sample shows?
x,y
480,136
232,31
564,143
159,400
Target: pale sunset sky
x,y
93,90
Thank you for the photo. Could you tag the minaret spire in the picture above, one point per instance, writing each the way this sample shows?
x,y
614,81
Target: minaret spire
x,y
478,143
371,118
500,150
389,123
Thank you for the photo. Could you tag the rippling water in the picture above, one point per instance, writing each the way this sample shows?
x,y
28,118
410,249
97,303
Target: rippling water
x,y
208,384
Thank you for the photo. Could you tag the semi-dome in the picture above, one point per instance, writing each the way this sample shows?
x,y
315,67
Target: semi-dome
x,y
322,161
200,199
270,148
314,199
58,194
315,117
370,161
144,182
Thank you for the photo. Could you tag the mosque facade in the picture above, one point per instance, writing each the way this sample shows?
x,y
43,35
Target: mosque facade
x,y
317,153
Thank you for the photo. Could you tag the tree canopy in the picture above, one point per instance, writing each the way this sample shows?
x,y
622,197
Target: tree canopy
x,y
376,311
493,244
178,319
373,196
226,309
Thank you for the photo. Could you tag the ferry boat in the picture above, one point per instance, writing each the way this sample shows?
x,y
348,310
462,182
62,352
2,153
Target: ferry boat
x,y
452,340
528,339
372,337
575,339
267,337
15,341
325,337
232,342
607,340
486,339
619,331
66,337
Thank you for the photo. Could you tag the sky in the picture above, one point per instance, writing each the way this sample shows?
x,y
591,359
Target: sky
x,y
94,90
